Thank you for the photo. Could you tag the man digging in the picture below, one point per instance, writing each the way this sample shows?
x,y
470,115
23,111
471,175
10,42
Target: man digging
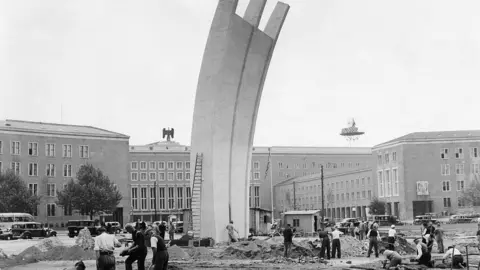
x,y
392,258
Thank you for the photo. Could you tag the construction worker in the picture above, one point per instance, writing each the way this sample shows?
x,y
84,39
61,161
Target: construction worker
x,y
393,257
231,233
160,251
457,258
439,238
105,244
137,252
423,256
392,233
171,231
336,242
323,235
373,237
287,240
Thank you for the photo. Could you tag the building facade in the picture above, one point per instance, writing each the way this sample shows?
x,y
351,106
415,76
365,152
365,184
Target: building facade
x,y
46,156
426,172
346,194
163,168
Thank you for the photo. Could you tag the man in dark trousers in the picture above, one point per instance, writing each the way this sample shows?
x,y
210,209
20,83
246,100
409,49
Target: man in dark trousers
x,y
439,238
373,236
323,235
423,256
336,242
162,229
287,240
137,252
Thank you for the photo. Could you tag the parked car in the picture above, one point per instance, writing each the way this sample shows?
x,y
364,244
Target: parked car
x,y
327,222
117,227
74,226
7,235
455,219
419,220
28,230
347,221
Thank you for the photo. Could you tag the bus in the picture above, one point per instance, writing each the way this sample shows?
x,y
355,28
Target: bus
x,y
7,219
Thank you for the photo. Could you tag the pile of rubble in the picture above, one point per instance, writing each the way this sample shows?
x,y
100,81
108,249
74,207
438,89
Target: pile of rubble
x,y
3,255
85,239
177,253
52,249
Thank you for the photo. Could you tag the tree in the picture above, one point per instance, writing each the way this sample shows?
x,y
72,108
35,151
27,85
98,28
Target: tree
x,y
14,194
471,195
91,193
376,207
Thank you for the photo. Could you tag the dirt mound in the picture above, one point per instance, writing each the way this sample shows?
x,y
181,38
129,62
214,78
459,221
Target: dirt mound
x,y
401,246
48,243
177,253
85,239
2,254
259,250
58,253
200,253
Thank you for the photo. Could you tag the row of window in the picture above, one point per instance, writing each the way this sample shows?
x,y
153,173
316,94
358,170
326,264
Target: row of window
x,y
459,169
446,185
33,169
152,176
385,158
459,153
146,198
328,165
50,149
153,165
388,183
357,183
316,201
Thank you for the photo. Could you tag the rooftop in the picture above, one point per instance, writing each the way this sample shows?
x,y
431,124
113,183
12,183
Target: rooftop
x,y
60,129
434,136
317,176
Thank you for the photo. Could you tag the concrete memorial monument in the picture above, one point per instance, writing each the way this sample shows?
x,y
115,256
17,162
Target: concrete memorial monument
x,y
233,71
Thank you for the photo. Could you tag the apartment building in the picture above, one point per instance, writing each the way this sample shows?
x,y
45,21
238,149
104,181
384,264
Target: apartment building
x,y
346,194
163,168
426,172
47,156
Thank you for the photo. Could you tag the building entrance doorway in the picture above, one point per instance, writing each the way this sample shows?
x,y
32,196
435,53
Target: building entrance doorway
x,y
422,207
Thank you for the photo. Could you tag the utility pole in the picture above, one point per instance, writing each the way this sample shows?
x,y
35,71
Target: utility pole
x,y
323,198
155,194
294,198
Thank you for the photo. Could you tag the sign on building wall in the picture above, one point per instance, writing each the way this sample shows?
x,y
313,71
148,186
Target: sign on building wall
x,y
422,187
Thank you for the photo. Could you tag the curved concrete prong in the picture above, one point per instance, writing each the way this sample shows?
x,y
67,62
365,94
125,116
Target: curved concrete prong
x,y
276,20
254,12
227,5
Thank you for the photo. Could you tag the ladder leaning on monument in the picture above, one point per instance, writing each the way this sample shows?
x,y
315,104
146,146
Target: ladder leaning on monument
x,y
196,197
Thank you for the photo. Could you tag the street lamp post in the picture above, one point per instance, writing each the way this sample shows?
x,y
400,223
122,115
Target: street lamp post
x,y
323,198
155,201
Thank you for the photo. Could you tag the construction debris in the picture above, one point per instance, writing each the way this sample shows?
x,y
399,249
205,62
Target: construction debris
x,y
177,253
85,239
2,254
47,244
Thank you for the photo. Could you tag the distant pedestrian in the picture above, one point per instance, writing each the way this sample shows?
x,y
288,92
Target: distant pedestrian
x,y
287,240
162,229
171,231
392,233
357,232
231,233
323,235
352,229
336,243
373,237
439,238
363,228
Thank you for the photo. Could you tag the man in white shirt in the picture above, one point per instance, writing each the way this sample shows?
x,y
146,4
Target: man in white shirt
x,y
391,237
423,256
104,246
457,258
336,242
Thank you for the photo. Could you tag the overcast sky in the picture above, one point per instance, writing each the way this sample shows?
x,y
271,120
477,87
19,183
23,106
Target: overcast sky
x,y
132,67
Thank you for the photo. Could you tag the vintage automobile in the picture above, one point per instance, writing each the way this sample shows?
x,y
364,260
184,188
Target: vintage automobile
x,y
28,230
117,228
419,220
74,226
455,219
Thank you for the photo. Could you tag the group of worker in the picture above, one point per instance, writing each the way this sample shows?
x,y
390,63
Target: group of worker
x,y
143,237
424,246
